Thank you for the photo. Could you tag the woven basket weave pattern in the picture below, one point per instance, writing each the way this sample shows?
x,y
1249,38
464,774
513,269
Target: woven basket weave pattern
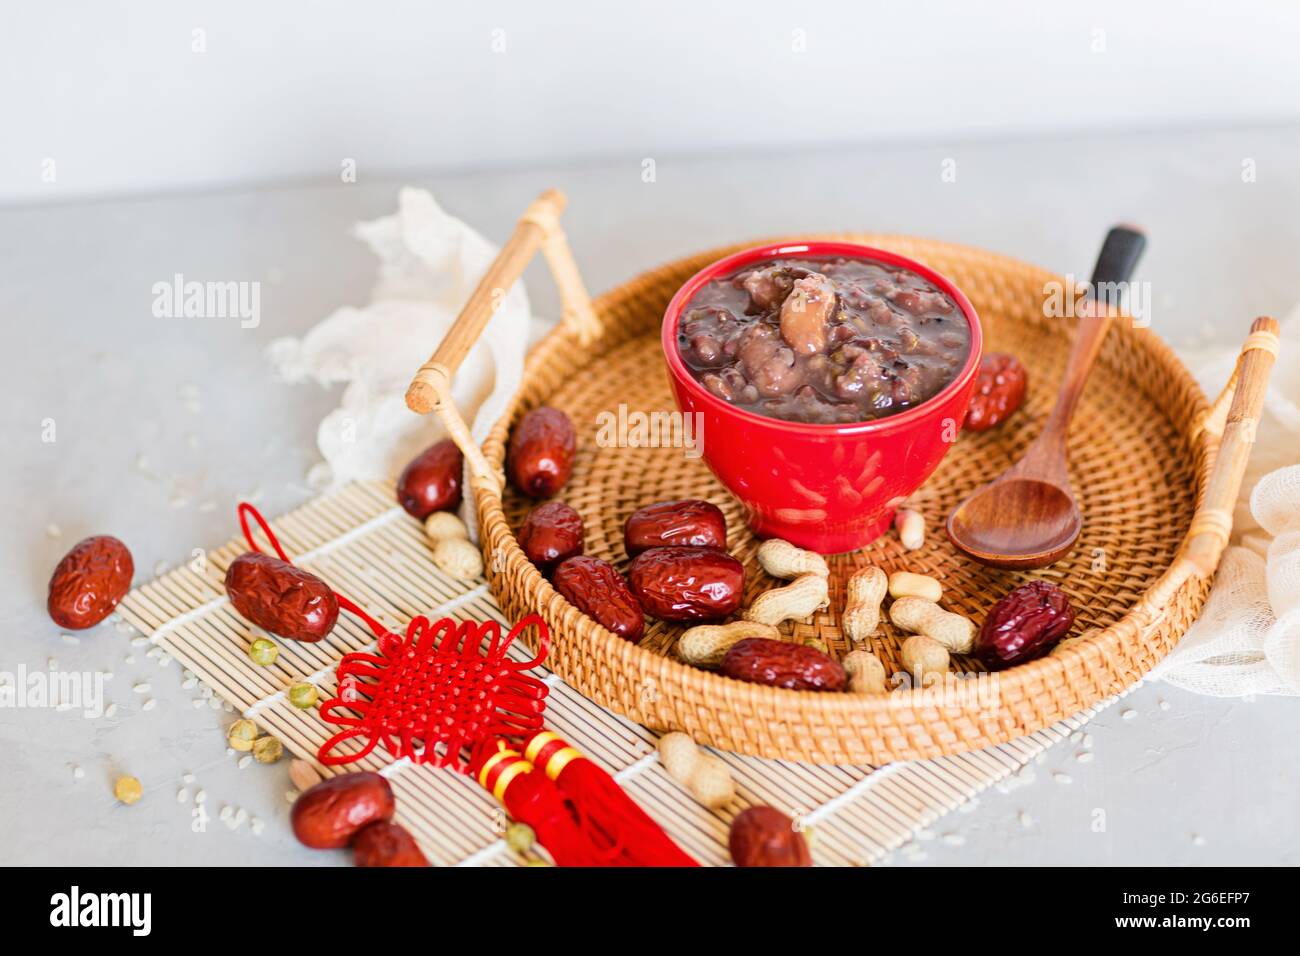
x,y
1138,463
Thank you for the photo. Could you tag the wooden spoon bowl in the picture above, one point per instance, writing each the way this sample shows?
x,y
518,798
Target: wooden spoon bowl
x,y
1027,517
981,527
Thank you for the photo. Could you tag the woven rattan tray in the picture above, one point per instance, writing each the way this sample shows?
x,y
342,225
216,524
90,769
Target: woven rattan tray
x,y
1143,449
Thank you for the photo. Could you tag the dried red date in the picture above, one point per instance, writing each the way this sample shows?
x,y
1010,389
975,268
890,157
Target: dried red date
x,y
1024,625
431,482
596,589
551,533
280,598
686,523
687,584
764,836
783,664
540,457
89,581
386,844
331,813
999,390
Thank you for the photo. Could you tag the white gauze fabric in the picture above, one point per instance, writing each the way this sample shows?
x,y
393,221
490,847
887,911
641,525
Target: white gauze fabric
x,y
429,263
1247,640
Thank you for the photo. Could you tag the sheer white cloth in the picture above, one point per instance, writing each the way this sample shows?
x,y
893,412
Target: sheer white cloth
x,y
429,263
1247,640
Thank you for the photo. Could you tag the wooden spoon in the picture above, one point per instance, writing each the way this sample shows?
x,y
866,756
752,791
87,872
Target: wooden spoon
x,y
1027,517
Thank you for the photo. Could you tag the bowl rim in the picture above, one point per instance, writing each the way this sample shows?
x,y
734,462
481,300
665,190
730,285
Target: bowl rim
x,y
680,373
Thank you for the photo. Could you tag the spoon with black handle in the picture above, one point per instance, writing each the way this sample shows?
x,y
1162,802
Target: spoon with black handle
x,y
1027,517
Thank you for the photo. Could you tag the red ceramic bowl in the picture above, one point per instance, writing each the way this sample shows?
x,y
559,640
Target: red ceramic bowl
x,y
830,488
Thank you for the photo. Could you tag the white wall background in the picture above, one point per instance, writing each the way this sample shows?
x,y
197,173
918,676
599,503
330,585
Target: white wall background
x,y
116,96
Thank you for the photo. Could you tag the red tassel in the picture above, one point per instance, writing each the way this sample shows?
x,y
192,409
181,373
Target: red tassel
x,y
624,833
532,798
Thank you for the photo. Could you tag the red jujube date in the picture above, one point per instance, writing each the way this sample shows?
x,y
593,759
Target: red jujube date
x,y
540,456
550,534
999,391
431,482
280,598
331,813
89,581
385,843
687,584
687,523
1024,625
760,660
596,589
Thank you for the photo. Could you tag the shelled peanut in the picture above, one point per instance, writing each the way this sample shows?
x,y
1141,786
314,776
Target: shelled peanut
x,y
705,645
452,551
907,584
445,524
796,601
1068,642
915,609
458,558
704,775
866,673
919,616
781,559
866,590
911,528
922,655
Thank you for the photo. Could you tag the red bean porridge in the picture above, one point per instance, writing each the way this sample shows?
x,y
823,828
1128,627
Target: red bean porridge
x,y
823,340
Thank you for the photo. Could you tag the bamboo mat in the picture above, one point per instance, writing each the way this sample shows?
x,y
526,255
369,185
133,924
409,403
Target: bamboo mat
x,y
364,545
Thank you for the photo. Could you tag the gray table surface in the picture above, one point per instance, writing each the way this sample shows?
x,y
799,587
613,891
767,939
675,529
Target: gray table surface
x,y
162,424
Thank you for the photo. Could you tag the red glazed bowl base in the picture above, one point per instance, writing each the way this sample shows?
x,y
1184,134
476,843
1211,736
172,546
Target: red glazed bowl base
x,y
826,540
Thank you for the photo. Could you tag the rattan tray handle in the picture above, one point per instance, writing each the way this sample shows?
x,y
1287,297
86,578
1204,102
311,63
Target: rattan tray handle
x,y
1233,418
539,226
